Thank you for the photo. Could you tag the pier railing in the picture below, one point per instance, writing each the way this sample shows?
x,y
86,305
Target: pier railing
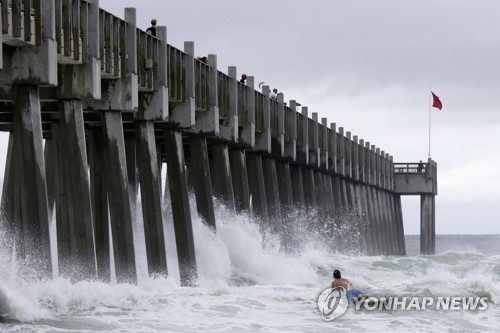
x,y
21,22
242,92
260,99
113,49
202,73
176,74
410,168
223,95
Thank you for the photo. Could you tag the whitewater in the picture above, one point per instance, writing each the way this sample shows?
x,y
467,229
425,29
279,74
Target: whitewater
x,y
249,283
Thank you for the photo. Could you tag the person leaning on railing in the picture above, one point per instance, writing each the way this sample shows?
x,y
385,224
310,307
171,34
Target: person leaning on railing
x,y
152,29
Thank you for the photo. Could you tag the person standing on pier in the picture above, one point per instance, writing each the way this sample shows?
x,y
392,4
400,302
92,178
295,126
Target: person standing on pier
x,y
152,29
274,94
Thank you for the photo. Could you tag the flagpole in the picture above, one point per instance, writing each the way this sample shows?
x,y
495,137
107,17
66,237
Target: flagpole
x,y
430,106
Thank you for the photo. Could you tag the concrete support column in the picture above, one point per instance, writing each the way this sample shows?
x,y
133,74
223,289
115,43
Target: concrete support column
x,y
309,188
100,211
337,195
372,222
199,172
118,196
272,193
240,180
389,239
394,224
7,211
285,187
31,211
297,186
50,155
320,193
344,195
399,221
427,224
360,215
367,227
257,186
149,175
329,203
378,224
223,187
132,172
180,207
74,221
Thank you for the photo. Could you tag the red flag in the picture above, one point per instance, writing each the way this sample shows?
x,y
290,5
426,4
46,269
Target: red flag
x,y
436,103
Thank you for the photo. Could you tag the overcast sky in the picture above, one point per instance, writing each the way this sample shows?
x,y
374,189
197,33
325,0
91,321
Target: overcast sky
x,y
367,66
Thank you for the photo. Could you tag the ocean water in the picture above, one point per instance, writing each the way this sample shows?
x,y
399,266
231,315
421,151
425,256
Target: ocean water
x,y
248,283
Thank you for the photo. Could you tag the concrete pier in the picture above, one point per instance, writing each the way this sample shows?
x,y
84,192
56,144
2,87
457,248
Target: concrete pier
x,y
114,103
419,179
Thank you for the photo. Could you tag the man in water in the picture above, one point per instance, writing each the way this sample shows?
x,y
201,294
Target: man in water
x,y
352,293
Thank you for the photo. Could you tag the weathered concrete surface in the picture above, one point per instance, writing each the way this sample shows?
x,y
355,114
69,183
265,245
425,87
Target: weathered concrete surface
x,y
100,211
149,178
272,194
297,186
118,198
240,180
427,224
31,210
257,187
223,184
180,207
74,213
201,180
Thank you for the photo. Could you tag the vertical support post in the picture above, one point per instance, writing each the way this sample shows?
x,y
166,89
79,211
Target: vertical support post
x,y
320,193
297,186
427,224
7,218
399,218
223,188
118,196
285,187
180,207
50,155
75,229
149,175
328,190
272,193
257,186
199,173
32,220
309,188
240,180
99,190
